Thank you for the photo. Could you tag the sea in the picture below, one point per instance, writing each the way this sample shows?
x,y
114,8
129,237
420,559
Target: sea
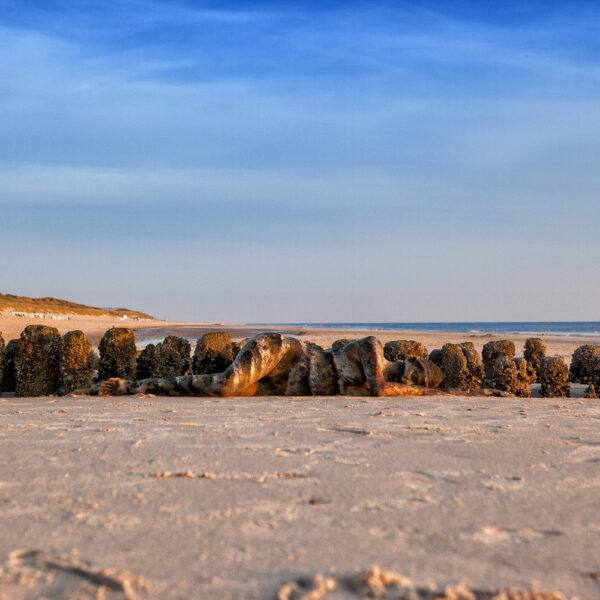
x,y
570,328
532,328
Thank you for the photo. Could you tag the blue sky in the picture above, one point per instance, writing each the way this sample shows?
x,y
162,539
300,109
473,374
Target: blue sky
x,y
331,161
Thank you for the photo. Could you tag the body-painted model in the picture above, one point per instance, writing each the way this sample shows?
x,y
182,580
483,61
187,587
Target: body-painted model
x,y
276,364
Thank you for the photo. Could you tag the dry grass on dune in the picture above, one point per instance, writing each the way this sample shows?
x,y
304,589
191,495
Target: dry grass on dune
x,y
10,302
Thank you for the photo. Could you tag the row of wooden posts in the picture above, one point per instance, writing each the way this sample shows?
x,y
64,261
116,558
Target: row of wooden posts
x,y
41,362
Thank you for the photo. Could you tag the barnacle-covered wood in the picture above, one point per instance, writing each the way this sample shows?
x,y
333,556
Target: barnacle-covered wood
x,y
402,350
37,361
490,353
117,354
554,377
77,362
214,353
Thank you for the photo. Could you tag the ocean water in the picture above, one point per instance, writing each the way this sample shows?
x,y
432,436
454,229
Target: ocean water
x,y
581,328
533,328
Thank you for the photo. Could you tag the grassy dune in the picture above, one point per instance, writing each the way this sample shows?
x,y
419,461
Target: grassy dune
x,y
9,303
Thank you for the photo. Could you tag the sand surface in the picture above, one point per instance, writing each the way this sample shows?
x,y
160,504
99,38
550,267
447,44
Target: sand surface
x,y
184,498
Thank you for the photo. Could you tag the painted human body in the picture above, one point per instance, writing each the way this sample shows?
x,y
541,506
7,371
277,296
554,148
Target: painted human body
x,y
276,364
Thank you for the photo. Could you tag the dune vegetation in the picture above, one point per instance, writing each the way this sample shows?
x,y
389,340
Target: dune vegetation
x,y
12,303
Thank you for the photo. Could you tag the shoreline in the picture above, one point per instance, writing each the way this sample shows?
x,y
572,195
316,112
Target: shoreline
x,y
426,328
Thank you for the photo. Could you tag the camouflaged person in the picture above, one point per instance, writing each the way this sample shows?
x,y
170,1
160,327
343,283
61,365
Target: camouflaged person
x,y
272,364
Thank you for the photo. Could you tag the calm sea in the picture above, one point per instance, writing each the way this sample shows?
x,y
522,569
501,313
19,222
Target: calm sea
x,y
582,328
577,328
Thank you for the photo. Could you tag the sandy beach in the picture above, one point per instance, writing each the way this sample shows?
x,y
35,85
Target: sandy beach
x,y
178,498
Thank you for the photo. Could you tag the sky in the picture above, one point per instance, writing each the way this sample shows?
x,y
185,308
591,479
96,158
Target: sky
x,y
303,161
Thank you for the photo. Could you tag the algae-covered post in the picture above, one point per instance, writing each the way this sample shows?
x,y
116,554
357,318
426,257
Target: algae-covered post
x,y
117,354
169,358
554,377
77,362
454,366
474,364
146,363
510,375
37,361
490,353
462,366
534,353
214,353
174,356
593,368
581,369
8,381
402,350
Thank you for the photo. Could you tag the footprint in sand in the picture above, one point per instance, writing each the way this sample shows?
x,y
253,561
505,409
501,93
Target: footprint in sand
x,y
504,484
416,480
497,535
34,574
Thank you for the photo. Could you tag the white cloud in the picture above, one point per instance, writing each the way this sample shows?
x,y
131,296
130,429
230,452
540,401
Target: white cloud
x,y
325,149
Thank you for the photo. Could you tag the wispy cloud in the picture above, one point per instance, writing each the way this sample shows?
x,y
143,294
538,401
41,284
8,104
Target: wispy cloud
x,y
367,128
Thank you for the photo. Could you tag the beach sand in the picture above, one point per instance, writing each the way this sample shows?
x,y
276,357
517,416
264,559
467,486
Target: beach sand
x,y
185,498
